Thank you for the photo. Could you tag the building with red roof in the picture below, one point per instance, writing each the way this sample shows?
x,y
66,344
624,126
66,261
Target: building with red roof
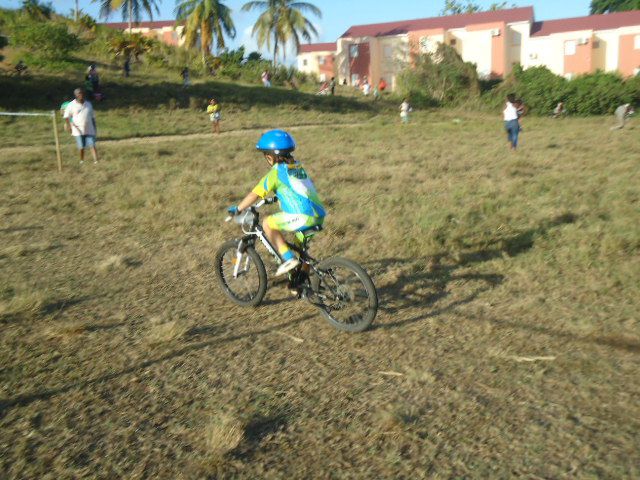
x,y
494,41
167,31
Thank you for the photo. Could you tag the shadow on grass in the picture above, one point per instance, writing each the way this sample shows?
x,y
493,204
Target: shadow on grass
x,y
48,92
425,288
45,394
33,309
436,282
28,228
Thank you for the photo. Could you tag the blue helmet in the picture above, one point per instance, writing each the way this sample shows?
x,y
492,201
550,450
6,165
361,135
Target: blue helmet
x,y
276,141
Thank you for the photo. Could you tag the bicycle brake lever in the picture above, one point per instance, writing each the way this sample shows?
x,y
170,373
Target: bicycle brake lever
x,y
228,219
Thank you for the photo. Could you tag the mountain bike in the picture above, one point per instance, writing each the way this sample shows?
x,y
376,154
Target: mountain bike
x,y
339,288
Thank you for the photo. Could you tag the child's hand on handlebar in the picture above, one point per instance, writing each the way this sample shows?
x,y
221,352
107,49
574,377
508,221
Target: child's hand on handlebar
x,y
233,210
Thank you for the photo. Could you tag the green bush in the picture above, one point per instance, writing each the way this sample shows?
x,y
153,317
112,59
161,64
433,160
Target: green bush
x,y
597,93
47,39
539,87
439,78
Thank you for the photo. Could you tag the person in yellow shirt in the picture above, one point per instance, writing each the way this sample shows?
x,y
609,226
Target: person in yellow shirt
x,y
214,114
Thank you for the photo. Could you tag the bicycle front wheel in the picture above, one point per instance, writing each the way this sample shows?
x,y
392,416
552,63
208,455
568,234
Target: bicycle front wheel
x,y
243,278
345,294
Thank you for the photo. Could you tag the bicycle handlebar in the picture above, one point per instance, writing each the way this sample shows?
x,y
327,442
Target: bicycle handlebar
x,y
264,201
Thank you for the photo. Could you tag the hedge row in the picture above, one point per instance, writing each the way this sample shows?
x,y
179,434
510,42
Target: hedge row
x,y
592,94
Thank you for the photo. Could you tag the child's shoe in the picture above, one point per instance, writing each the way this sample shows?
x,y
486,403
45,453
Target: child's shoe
x,y
287,266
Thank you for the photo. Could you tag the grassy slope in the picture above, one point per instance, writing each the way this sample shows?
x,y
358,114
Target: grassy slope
x,y
121,358
152,103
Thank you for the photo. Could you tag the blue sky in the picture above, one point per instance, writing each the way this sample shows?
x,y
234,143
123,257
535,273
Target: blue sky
x,y
339,15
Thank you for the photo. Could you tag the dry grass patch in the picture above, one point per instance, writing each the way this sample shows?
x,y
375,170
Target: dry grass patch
x,y
116,262
162,331
223,435
65,331
27,303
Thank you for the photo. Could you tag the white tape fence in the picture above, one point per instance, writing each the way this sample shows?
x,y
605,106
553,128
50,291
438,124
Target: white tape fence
x,y
51,114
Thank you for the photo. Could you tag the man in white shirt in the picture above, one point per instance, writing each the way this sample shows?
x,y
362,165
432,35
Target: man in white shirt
x,y
511,124
621,114
80,119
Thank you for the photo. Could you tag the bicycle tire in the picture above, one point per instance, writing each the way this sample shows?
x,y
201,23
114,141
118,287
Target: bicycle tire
x,y
372,308
255,299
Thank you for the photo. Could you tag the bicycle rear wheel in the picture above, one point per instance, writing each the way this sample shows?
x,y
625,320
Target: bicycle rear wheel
x,y
345,294
249,287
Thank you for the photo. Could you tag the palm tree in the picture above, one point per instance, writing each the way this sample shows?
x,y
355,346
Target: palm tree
x,y
37,10
131,9
609,6
282,21
206,20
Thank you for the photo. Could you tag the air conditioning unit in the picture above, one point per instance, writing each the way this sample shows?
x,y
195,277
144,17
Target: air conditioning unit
x,y
583,41
495,32
533,56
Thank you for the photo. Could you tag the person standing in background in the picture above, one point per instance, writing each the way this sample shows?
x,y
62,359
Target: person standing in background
x,y
93,77
332,85
511,124
80,119
559,111
405,109
621,114
214,115
186,77
127,67
366,88
266,79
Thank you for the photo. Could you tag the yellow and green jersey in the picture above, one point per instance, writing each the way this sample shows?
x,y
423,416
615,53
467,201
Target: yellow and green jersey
x,y
294,189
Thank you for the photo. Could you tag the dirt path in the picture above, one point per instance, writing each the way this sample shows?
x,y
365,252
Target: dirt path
x,y
170,138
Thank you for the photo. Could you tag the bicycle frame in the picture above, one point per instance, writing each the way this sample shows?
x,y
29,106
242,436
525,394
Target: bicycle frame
x,y
256,231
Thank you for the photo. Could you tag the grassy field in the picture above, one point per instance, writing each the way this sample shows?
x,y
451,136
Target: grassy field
x,y
507,344
153,106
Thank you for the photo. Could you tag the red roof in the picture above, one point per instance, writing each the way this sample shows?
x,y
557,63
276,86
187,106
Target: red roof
x,y
125,25
511,15
317,47
593,22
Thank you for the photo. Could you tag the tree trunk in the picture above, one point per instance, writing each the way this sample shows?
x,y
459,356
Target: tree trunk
x,y
275,51
130,15
77,12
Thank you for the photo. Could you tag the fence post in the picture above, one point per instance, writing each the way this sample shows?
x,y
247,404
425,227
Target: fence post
x,y
55,134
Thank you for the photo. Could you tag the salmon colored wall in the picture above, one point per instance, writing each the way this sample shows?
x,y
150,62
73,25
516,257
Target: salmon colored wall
x,y
629,56
581,61
361,63
167,37
414,38
327,68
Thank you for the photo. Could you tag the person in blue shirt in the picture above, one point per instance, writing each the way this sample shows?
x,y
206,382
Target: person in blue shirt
x,y
297,196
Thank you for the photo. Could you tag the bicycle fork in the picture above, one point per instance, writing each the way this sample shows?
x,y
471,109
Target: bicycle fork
x,y
237,271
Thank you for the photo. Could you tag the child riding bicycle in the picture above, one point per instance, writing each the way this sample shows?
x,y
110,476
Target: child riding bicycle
x,y
301,206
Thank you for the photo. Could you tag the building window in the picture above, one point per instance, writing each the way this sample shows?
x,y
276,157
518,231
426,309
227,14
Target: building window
x,y
636,43
424,44
516,39
321,60
570,47
305,62
355,78
353,51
